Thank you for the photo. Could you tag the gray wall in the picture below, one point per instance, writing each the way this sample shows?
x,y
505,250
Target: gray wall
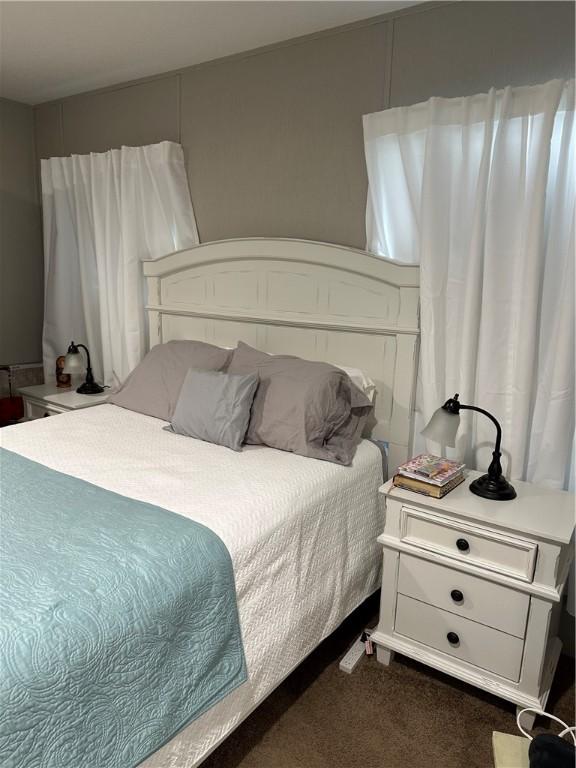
x,y
273,138
21,264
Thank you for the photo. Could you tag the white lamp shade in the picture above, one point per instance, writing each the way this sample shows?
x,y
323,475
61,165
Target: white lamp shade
x,y
73,363
442,427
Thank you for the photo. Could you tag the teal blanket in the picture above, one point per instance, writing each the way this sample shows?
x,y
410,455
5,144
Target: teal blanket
x,y
118,622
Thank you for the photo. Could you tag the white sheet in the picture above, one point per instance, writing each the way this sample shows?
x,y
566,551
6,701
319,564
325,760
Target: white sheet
x,y
301,533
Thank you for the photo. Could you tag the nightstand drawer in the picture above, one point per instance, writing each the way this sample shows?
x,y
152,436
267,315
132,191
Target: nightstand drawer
x,y
464,594
34,410
474,643
469,543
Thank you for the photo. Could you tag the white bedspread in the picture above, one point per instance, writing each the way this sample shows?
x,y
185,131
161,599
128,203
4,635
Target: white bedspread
x,y
301,533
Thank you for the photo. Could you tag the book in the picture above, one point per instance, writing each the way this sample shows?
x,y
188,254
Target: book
x,y
432,469
428,489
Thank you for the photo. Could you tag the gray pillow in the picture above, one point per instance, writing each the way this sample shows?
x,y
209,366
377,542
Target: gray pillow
x,y
154,385
215,407
302,406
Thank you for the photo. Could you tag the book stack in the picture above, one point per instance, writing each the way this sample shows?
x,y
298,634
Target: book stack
x,y
430,475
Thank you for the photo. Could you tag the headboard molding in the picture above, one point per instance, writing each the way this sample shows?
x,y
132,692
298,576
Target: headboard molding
x,y
315,300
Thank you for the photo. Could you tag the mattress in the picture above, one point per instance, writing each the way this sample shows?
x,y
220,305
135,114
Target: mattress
x,y
301,534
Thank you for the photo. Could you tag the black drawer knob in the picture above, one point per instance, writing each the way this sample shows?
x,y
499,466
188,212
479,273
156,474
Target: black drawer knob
x,y
462,545
457,596
453,638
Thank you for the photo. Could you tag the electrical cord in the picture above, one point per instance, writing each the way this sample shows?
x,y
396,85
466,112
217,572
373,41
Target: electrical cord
x,y
567,729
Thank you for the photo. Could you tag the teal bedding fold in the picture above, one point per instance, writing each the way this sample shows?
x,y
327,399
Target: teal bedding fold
x,y
118,622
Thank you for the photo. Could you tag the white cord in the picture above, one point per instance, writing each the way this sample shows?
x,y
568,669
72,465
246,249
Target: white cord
x,y
567,729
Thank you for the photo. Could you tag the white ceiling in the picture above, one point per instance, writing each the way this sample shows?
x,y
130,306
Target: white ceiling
x,y
53,49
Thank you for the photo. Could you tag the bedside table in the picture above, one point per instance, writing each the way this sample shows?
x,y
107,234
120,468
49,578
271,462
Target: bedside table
x,y
48,400
472,587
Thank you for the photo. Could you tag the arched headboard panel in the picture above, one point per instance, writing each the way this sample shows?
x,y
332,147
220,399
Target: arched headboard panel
x,y
315,300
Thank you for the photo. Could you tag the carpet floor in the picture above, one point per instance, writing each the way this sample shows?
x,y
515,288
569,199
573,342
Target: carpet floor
x,y
402,716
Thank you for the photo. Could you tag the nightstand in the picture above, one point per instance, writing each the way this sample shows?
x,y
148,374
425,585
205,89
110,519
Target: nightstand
x,y
473,587
48,400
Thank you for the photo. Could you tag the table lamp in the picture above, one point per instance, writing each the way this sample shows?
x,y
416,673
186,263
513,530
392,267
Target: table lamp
x,y
442,428
74,364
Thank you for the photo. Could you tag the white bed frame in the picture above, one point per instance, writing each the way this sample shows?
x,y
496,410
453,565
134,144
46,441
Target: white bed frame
x,y
315,300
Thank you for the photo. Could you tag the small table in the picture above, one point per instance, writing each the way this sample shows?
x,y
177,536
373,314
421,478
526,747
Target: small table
x,y
48,400
473,587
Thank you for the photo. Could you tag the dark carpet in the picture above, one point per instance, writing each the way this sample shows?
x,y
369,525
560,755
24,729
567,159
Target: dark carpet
x,y
402,716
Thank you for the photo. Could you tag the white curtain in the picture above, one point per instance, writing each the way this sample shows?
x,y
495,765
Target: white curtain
x,y
103,214
480,191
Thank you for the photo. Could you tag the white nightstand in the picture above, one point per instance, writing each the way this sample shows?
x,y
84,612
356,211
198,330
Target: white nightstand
x,y
48,400
472,587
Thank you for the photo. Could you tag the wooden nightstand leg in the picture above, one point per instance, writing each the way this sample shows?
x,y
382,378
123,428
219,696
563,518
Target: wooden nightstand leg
x,y
384,655
527,719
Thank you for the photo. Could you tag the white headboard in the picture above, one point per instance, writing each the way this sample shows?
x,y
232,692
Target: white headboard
x,y
315,300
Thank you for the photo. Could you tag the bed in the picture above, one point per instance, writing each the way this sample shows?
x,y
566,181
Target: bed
x,y
301,533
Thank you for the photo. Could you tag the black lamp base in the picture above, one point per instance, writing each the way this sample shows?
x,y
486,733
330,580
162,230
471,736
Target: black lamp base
x,y
497,489
90,388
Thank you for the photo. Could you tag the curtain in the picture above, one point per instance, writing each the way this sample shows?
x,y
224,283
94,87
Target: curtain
x,y
480,191
103,214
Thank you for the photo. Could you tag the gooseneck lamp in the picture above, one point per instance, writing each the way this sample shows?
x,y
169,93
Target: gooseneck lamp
x,y
73,363
442,428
